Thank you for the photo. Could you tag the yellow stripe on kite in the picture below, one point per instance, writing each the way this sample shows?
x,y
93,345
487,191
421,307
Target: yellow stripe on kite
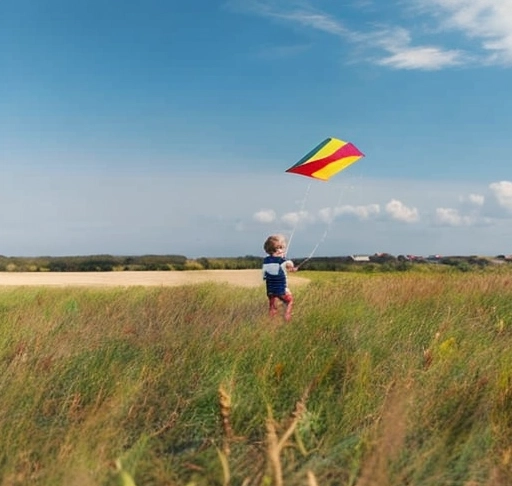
x,y
328,149
329,170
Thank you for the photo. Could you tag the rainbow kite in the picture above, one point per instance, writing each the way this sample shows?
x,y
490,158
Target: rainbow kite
x,y
327,159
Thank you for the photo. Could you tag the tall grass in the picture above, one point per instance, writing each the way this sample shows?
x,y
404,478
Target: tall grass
x,y
395,379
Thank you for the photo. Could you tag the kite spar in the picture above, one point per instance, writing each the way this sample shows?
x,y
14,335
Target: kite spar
x,y
324,161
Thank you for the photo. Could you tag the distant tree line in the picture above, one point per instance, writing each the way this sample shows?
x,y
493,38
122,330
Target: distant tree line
x,y
93,263
108,263
386,262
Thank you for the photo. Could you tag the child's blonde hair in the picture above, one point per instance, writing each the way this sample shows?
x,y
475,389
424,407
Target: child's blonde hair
x,y
273,242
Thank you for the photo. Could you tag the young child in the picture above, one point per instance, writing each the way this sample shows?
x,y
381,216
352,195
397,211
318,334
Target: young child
x,y
275,268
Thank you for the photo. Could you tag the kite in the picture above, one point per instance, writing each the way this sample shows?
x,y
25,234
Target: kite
x,y
327,159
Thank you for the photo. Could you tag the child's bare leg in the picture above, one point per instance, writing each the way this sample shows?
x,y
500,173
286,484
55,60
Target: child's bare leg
x,y
272,308
288,300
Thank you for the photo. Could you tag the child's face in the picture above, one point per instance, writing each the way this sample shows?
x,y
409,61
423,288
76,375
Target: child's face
x,y
280,249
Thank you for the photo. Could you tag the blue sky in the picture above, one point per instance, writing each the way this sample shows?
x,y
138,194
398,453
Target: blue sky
x,y
135,127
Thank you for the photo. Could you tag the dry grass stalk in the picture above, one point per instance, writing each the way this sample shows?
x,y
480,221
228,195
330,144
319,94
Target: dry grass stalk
x,y
124,477
273,451
225,413
225,467
392,430
312,479
276,445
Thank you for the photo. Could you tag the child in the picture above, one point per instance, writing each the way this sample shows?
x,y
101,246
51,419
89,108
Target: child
x,y
275,266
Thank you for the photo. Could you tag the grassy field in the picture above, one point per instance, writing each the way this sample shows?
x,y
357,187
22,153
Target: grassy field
x,y
381,379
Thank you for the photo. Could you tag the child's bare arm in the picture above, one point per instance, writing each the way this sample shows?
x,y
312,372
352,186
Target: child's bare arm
x,y
290,267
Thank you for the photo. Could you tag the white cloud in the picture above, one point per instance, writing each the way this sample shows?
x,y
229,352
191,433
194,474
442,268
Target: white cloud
x,y
476,199
326,215
296,217
451,217
503,193
399,211
265,216
361,212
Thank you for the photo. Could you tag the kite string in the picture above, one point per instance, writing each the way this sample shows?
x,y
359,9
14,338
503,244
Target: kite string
x,y
303,204
315,248
324,236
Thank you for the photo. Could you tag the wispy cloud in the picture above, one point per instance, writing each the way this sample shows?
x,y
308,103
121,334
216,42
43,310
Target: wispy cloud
x,y
304,14
446,33
396,43
489,22
315,20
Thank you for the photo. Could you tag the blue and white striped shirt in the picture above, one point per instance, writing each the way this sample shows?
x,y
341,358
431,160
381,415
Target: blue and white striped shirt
x,y
274,274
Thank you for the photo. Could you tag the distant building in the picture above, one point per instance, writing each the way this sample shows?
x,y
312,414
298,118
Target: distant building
x,y
360,258
434,259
